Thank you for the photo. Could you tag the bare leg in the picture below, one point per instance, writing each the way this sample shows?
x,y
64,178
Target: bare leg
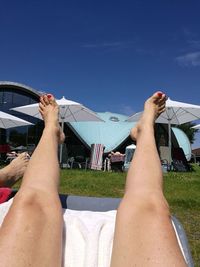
x,y
10,174
31,234
144,235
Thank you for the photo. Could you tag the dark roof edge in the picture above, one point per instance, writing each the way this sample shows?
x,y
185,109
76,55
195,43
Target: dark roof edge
x,y
21,86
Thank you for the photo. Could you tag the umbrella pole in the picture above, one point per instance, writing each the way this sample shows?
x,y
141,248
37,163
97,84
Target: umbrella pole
x,y
61,145
170,144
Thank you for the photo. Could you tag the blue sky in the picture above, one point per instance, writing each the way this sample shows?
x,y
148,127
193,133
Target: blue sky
x,y
108,55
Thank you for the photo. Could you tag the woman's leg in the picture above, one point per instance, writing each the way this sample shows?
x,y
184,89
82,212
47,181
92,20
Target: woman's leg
x,y
144,235
31,234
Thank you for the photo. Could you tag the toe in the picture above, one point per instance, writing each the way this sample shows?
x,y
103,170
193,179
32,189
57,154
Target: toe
x,y
158,95
41,111
49,96
53,100
42,100
41,105
46,99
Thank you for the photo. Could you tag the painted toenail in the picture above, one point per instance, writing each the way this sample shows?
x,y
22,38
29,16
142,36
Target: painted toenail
x,y
49,95
159,94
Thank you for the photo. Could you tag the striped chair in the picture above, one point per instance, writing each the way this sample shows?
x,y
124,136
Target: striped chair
x,y
96,156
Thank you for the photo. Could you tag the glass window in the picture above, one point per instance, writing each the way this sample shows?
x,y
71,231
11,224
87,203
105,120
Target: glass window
x,y
1,98
8,97
20,100
32,101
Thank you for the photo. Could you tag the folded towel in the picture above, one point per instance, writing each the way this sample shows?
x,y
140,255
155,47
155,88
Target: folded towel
x,y
4,208
88,238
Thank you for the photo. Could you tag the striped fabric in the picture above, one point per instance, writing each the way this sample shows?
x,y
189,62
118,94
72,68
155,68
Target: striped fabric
x,y
96,157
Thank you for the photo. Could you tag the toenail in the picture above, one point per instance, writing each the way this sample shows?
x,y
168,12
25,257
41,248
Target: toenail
x,y
159,94
49,95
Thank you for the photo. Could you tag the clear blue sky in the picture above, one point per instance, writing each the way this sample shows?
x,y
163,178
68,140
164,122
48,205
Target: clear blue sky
x,y
108,55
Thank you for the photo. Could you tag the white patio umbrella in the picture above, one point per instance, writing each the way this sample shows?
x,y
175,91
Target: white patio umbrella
x,y
9,121
175,113
70,111
196,126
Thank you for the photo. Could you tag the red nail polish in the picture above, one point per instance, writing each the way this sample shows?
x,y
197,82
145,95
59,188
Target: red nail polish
x,y
159,94
49,95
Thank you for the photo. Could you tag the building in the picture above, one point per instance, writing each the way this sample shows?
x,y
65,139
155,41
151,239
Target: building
x,y
113,132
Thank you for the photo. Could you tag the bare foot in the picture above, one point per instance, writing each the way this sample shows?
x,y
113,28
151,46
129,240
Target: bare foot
x,y
153,107
49,111
10,174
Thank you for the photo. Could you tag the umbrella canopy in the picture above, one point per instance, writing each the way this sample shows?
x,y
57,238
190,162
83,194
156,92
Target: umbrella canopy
x,y
69,111
9,121
175,113
196,126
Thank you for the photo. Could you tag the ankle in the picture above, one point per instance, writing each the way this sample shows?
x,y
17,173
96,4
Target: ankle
x,y
146,125
51,128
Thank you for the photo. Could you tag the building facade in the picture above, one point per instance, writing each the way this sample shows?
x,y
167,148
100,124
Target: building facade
x,y
14,95
113,133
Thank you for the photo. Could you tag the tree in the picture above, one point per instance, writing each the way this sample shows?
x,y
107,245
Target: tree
x,y
190,132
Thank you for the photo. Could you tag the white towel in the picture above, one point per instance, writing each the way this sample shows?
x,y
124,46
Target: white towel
x,y
87,237
4,207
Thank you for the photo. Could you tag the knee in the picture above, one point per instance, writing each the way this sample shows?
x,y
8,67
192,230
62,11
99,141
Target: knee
x,y
151,204
38,203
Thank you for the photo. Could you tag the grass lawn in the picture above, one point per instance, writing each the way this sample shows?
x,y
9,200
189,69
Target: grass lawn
x,y
182,191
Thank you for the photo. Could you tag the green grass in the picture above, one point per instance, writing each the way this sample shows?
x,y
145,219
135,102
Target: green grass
x,y
182,191
92,183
